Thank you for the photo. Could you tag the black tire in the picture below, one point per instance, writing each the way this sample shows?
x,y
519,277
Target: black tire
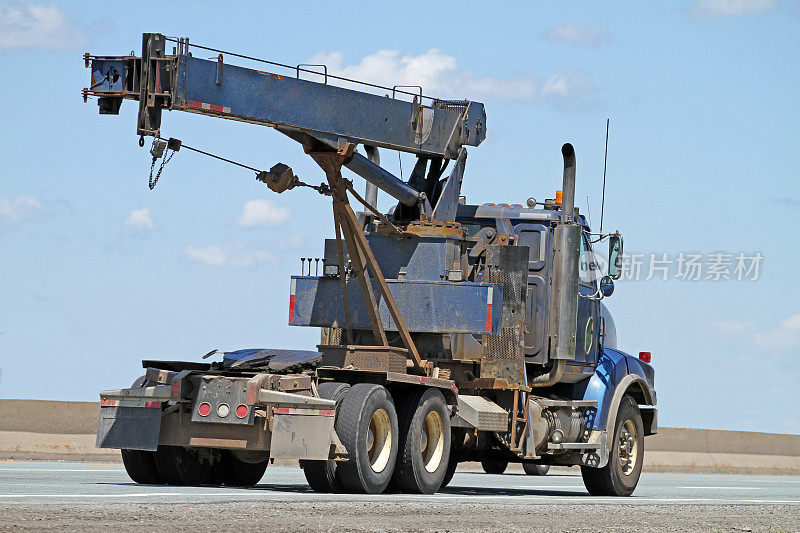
x,y
182,466
424,420
370,465
141,466
494,466
532,469
452,464
618,477
233,472
321,475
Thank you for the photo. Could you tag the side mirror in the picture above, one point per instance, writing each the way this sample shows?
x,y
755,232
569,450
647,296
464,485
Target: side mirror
x,y
606,286
615,256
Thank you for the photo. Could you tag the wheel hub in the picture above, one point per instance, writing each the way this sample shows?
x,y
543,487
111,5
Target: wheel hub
x,y
627,447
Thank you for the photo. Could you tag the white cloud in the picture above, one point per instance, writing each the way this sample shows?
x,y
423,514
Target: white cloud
x,y
440,76
138,222
263,213
778,341
730,8
25,26
231,256
594,35
18,209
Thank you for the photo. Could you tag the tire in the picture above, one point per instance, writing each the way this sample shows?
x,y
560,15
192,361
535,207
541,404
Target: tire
x,y
321,475
494,466
367,412
452,464
532,469
424,452
141,467
139,464
233,472
182,466
619,477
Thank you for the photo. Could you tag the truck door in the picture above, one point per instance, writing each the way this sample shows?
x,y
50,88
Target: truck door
x,y
588,310
537,238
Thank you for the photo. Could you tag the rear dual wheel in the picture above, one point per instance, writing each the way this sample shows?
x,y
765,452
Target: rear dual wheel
x,y
532,469
494,466
368,428
424,454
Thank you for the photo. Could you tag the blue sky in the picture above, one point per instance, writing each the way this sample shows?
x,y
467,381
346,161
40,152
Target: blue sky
x,y
98,272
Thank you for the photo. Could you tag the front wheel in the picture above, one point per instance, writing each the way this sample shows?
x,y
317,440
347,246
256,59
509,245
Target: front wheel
x,y
626,454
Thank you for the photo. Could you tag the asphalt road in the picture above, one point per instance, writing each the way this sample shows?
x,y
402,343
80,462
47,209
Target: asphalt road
x,y
37,496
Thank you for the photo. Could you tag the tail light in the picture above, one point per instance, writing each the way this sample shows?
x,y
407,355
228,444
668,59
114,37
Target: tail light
x,y
644,356
241,411
204,409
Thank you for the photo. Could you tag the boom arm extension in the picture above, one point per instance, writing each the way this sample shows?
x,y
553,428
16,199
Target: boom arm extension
x,y
334,115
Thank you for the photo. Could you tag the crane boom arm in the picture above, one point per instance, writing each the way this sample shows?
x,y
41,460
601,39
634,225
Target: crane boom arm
x,y
331,114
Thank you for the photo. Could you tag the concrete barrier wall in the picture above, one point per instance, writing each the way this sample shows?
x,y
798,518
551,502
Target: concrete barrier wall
x,y
37,429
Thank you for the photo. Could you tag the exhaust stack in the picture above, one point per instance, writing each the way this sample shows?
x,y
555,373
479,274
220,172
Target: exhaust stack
x,y
564,293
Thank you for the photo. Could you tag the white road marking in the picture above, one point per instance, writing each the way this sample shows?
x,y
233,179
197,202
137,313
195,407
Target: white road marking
x,y
723,488
61,469
129,494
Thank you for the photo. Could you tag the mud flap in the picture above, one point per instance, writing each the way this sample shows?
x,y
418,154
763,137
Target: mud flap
x,y
302,433
132,428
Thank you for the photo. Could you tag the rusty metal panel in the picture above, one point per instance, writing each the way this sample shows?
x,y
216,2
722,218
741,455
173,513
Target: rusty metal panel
x,y
503,353
375,358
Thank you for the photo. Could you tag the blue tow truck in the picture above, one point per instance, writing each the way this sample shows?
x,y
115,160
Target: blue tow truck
x,y
450,331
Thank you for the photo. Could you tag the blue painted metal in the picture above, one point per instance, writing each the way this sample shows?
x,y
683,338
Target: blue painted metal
x,y
426,306
358,117
418,258
109,75
612,367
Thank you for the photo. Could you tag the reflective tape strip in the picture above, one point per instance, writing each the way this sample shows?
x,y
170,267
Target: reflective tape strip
x,y
152,404
489,309
292,290
108,403
208,107
293,411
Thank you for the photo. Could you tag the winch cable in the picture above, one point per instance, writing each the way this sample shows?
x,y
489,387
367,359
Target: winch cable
x,y
168,147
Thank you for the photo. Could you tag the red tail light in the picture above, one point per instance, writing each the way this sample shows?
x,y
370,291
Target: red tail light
x,y
204,409
241,411
644,356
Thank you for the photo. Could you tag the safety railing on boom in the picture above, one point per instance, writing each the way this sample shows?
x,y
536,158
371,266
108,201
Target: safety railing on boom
x,y
309,111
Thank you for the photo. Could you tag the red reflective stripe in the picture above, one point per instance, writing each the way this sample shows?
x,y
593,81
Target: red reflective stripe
x,y
488,317
176,390
108,403
251,395
291,308
327,412
281,411
152,404
192,103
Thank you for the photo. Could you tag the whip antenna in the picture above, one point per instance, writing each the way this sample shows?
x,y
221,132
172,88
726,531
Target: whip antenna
x,y
605,163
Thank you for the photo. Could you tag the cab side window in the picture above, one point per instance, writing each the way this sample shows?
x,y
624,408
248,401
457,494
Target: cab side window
x,y
588,267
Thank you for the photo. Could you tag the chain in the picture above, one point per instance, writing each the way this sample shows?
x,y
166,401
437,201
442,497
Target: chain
x,y
167,156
